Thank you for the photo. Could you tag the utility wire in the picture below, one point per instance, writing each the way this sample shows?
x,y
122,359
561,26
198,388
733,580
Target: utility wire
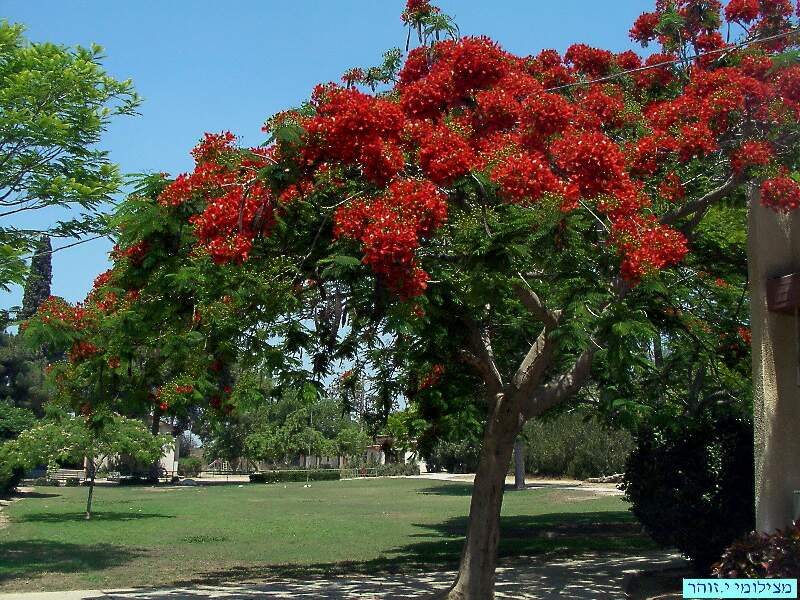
x,y
666,63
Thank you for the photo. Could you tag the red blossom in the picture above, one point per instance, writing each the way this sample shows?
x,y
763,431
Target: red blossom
x,y
781,194
445,156
590,61
524,176
671,188
751,153
644,29
745,334
81,350
646,246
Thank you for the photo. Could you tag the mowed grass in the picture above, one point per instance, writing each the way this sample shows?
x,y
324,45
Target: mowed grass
x,y
155,536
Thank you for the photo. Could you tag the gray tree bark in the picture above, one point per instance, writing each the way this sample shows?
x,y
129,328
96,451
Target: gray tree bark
x,y
92,467
519,464
476,575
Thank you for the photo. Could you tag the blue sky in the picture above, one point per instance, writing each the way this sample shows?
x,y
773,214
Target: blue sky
x,y
205,65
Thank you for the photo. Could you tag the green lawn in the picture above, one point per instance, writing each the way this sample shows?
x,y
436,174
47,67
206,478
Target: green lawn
x,y
153,536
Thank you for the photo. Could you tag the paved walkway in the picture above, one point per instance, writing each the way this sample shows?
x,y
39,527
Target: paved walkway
x,y
592,577
532,483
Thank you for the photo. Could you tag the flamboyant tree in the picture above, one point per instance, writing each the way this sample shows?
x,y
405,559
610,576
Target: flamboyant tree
x,y
480,234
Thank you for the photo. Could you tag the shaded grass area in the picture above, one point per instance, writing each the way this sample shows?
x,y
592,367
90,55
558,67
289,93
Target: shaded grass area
x,y
162,536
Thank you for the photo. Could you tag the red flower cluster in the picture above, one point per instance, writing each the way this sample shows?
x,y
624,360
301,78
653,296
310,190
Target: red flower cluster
x,y
751,153
781,194
390,228
135,253
743,11
525,176
745,334
445,156
57,311
432,377
590,61
417,9
644,29
646,246
463,106
353,128
235,208
81,350
671,188
103,279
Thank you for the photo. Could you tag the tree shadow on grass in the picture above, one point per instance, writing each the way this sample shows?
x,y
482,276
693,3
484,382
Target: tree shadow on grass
x,y
34,495
447,489
465,489
101,515
549,535
33,557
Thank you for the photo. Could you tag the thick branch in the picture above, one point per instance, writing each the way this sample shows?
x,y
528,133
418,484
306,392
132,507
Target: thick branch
x,y
538,359
535,305
481,346
562,387
701,204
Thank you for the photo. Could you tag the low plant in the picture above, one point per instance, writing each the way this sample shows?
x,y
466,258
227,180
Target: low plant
x,y
575,445
299,475
759,555
189,466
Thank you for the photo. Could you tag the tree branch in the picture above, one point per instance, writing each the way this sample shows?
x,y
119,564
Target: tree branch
x,y
535,305
701,204
562,387
483,354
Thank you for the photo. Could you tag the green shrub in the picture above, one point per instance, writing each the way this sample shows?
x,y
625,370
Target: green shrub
x,y
45,482
387,470
10,480
397,469
301,475
759,556
574,445
691,482
72,482
454,457
189,466
137,480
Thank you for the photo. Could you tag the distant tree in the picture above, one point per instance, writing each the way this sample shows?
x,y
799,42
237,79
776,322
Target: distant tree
x,y
92,436
55,103
40,277
13,421
22,380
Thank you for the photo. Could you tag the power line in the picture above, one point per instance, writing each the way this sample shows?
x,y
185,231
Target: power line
x,y
675,61
72,245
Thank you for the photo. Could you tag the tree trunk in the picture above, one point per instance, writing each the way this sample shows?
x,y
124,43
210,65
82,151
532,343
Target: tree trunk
x,y
476,574
155,426
519,463
92,472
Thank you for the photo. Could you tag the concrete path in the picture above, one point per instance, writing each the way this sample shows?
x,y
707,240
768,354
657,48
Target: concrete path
x,y
532,483
591,577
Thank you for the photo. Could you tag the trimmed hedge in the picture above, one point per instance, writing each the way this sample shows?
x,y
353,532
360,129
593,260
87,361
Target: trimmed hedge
x,y
189,466
287,476
137,480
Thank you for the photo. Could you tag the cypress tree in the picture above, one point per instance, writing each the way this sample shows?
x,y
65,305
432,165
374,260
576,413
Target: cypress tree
x,y
37,286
